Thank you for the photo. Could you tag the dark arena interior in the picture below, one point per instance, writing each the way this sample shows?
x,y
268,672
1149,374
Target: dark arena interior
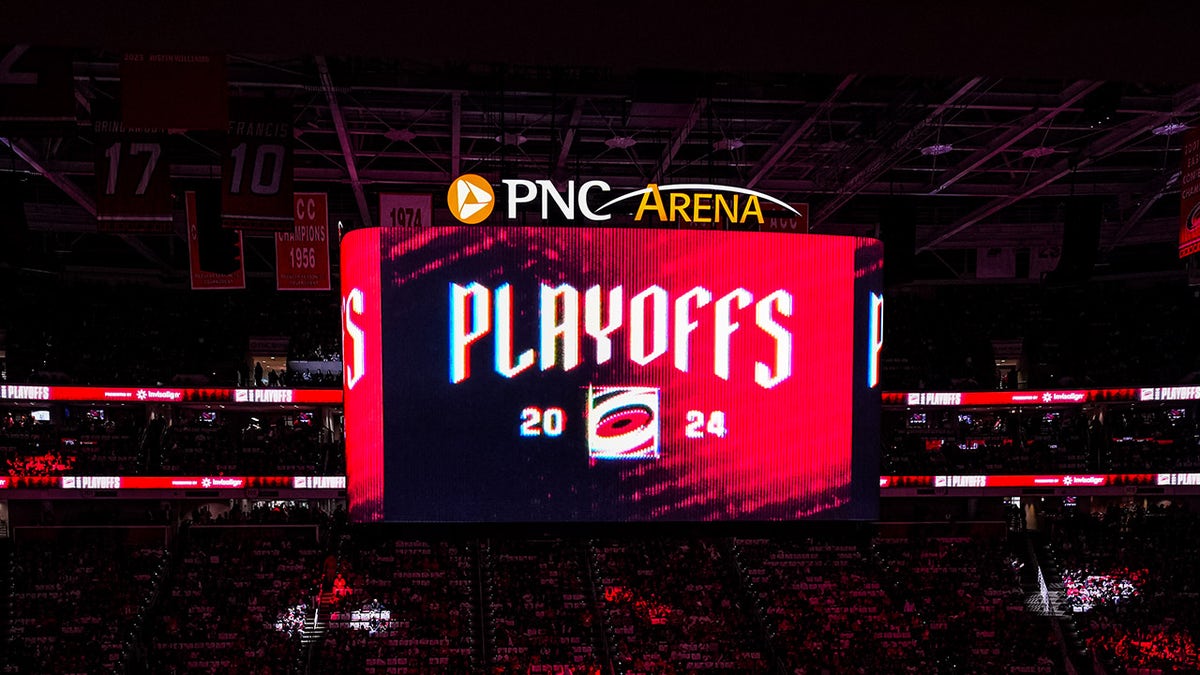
x,y
599,338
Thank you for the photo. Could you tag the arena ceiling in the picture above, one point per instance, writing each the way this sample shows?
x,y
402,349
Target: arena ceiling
x,y
989,160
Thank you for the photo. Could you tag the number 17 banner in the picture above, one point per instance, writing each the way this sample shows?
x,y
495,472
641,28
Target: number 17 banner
x,y
133,190
302,255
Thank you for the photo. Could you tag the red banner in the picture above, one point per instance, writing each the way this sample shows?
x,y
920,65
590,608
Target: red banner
x,y
302,255
399,210
256,171
787,222
1189,196
133,182
33,392
174,91
215,255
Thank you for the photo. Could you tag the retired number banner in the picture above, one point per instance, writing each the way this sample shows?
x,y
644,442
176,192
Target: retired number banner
x,y
302,255
133,183
256,171
214,253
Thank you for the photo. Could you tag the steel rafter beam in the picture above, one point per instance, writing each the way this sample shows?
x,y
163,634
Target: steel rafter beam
x,y
1022,128
677,141
71,189
1121,135
1153,192
569,137
336,175
455,133
339,124
796,133
888,158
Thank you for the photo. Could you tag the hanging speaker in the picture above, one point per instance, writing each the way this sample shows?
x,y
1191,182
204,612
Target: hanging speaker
x,y
218,246
898,231
1081,240
13,226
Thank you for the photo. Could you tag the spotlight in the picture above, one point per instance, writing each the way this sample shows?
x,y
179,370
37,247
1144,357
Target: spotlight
x,y
1169,129
621,142
937,149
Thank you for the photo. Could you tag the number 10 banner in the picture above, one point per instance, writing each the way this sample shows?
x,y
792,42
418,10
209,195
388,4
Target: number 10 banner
x,y
256,171
302,255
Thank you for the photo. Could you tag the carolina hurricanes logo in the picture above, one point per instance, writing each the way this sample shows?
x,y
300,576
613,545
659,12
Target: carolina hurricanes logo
x,y
206,482
1193,219
471,199
622,423
1047,397
142,395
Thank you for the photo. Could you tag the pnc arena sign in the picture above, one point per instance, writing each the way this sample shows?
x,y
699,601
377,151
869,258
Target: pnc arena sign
x,y
472,199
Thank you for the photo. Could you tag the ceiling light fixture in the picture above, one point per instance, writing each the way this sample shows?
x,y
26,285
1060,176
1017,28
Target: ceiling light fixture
x,y
728,144
511,139
1038,152
621,142
402,135
937,149
1169,129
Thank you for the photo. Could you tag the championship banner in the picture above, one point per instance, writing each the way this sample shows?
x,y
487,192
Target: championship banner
x,y
214,254
1189,196
133,182
37,92
405,210
256,171
302,255
174,91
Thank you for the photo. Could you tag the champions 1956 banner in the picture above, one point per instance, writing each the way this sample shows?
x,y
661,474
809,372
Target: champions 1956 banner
x,y
582,374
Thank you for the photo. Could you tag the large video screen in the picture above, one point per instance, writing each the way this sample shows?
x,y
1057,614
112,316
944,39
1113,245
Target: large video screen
x,y
512,374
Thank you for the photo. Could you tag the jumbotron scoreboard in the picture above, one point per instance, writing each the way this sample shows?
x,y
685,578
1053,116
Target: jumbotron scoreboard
x,y
512,374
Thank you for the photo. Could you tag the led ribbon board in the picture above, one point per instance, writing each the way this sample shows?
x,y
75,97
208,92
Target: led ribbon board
x,y
573,374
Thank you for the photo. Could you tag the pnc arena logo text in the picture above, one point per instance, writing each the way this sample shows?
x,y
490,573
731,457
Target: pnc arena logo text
x,y
472,198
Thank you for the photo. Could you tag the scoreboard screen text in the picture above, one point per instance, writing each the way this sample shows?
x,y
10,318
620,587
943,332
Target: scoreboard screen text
x,y
511,374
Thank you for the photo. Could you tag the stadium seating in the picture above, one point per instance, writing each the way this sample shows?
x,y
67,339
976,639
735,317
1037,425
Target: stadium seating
x,y
1154,629
542,612
430,591
80,597
671,606
226,593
